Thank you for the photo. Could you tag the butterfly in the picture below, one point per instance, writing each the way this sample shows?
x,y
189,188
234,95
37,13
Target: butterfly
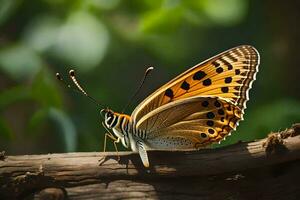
x,y
199,107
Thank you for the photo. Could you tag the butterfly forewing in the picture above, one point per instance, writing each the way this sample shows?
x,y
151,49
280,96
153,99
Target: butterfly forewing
x,y
228,75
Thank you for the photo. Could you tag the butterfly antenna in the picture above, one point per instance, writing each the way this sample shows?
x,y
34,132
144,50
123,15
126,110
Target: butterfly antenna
x,y
148,70
78,87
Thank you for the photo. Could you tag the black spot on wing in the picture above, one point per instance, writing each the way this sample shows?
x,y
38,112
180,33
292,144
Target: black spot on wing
x,y
221,112
219,70
210,123
207,82
199,75
210,115
205,103
203,135
185,85
217,104
224,89
228,80
169,93
211,131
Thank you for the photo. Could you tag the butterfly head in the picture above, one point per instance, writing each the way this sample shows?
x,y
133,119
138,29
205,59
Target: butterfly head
x,y
109,117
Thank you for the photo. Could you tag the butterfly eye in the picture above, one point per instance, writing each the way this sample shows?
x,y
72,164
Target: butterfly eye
x,y
110,114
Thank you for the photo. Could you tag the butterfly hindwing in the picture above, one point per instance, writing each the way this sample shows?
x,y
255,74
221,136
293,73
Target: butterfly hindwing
x,y
228,75
190,123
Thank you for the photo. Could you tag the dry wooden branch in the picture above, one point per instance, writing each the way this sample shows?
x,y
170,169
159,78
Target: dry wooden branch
x,y
265,169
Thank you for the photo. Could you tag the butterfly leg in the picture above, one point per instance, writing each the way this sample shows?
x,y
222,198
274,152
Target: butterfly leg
x,y
112,137
143,153
115,141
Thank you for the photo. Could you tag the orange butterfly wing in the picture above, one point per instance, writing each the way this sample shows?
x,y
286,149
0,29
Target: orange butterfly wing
x,y
228,75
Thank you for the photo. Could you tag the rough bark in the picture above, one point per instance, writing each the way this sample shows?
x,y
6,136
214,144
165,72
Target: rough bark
x,y
263,169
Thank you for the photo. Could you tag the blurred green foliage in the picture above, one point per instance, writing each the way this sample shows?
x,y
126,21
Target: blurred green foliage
x,y
111,42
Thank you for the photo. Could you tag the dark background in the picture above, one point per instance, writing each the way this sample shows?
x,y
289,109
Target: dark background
x,y
110,44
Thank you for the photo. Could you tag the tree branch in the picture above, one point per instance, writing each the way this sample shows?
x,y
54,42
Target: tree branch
x,y
177,174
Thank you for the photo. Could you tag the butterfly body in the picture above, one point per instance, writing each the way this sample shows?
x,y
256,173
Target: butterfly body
x,y
197,108
125,131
